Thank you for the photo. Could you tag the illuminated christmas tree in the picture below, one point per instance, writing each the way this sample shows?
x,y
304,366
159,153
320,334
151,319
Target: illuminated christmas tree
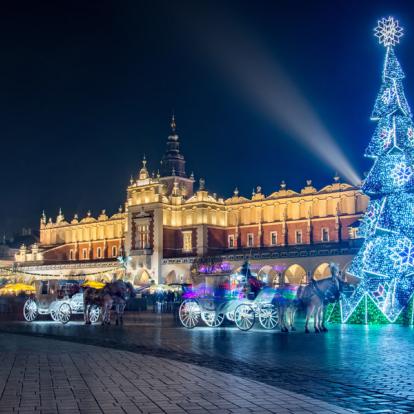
x,y
385,262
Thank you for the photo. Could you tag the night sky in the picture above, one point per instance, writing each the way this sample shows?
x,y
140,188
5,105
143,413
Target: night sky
x,y
88,87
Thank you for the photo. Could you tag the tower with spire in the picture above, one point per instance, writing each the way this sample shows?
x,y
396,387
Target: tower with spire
x,y
173,164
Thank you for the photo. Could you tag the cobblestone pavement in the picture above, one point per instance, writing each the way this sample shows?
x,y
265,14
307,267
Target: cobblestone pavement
x,y
368,369
39,375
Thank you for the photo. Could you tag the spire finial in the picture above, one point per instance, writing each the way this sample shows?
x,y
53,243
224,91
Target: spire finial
x,y
173,124
144,161
336,177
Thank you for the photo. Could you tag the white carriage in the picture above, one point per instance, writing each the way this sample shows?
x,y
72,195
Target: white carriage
x,y
236,305
58,298
243,312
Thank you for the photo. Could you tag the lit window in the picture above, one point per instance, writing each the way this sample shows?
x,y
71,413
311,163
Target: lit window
x,y
187,241
273,238
114,251
250,240
143,236
299,237
231,242
84,254
98,252
325,234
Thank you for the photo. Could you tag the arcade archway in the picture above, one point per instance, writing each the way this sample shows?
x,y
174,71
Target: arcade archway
x,y
268,275
142,278
295,274
322,271
171,277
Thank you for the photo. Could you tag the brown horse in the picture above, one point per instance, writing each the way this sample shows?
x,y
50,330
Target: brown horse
x,y
114,294
121,292
317,294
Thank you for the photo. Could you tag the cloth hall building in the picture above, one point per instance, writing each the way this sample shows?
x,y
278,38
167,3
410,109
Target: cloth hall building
x,y
172,232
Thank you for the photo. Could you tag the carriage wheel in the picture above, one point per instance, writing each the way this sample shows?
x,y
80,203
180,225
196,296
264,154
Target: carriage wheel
x,y
54,315
244,317
30,310
94,313
230,316
268,316
53,308
189,313
212,319
64,313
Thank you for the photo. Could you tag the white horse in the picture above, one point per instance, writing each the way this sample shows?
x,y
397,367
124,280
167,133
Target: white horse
x,y
317,294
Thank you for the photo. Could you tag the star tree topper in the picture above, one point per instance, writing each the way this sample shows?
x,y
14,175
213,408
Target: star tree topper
x,y
388,31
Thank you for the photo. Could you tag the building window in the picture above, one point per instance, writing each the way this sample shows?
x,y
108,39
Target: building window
x,y
187,241
99,253
250,239
325,234
84,254
143,236
114,251
231,242
353,232
71,254
273,238
298,235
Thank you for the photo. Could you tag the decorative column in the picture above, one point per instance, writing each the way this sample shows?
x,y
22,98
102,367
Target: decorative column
x,y
310,228
338,224
285,239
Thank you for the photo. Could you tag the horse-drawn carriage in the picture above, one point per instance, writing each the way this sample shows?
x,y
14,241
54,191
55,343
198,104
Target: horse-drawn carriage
x,y
243,300
58,298
246,300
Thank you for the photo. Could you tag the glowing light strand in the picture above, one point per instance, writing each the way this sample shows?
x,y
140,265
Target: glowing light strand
x,y
388,31
385,262
401,173
403,254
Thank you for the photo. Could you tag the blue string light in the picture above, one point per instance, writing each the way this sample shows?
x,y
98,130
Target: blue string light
x,y
385,262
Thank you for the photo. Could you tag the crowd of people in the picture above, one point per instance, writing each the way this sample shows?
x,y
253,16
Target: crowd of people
x,y
165,301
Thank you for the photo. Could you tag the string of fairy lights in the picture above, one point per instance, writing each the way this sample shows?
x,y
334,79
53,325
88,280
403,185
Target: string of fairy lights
x,y
385,262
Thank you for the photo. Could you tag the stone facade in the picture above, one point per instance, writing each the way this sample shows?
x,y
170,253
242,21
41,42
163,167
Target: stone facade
x,y
165,227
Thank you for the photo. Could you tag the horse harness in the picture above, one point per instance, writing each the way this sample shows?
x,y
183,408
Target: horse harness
x,y
330,296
